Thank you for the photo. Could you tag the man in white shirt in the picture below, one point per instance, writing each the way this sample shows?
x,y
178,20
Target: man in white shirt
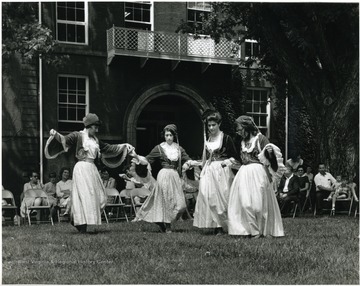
x,y
324,182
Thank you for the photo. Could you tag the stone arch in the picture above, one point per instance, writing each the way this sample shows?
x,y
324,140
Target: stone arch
x,y
137,106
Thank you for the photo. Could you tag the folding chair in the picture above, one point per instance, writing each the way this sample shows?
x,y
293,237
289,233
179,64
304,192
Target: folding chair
x,y
10,207
114,202
295,203
38,193
348,200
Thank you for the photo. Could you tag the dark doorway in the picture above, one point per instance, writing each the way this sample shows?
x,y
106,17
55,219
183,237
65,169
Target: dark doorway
x,y
166,110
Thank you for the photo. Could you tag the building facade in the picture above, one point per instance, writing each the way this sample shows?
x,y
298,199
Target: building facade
x,y
129,65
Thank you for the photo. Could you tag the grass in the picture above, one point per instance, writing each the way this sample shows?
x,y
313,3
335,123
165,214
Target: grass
x,y
323,250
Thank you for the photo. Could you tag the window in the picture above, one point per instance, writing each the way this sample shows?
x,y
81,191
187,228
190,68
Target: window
x,y
196,13
138,15
257,106
71,22
252,48
72,101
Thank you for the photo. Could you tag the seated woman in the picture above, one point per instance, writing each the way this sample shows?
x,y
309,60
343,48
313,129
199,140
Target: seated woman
x,y
27,201
50,190
63,190
132,184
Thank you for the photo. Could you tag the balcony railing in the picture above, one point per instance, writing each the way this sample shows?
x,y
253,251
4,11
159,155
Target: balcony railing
x,y
171,46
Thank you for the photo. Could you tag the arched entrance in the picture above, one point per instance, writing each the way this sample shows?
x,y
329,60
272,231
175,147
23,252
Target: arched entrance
x,y
161,105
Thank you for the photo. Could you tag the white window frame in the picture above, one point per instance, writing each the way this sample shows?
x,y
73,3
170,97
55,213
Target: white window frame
x,y
196,9
252,47
151,23
85,24
268,107
86,96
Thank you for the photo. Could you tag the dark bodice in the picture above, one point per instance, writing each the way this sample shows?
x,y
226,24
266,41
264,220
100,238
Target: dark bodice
x,y
227,150
158,153
252,156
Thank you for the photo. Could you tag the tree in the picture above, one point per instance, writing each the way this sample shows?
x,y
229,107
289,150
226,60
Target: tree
x,y
22,34
315,47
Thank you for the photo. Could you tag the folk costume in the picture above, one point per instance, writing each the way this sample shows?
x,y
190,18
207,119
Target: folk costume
x,y
253,208
88,195
166,201
215,181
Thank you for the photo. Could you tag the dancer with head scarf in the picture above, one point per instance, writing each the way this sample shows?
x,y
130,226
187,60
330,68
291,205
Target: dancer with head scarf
x,y
166,202
216,176
88,196
253,209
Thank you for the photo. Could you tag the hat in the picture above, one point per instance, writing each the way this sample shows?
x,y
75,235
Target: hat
x,y
171,127
91,119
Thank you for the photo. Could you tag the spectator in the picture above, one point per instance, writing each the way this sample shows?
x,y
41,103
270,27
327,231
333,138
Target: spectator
x,y
304,191
295,161
131,184
33,184
289,188
108,181
312,194
63,190
324,186
50,190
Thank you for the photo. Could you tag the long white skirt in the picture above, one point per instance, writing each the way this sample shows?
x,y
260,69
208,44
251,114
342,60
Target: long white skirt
x,y
88,195
212,200
253,208
166,200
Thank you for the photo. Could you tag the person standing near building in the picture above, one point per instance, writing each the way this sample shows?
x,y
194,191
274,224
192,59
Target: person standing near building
x,y
216,176
166,203
253,208
88,196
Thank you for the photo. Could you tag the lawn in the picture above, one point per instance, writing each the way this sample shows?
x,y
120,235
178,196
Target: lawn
x,y
323,250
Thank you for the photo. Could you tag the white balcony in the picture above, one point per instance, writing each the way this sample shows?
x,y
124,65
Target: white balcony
x,y
169,46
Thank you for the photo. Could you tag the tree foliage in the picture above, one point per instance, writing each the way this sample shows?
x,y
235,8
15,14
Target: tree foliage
x,y
315,47
22,34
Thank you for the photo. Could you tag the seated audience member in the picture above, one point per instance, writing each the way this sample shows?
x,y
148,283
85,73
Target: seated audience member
x,y
324,182
288,190
335,186
50,190
304,185
312,194
108,181
132,184
33,184
353,187
63,190
295,161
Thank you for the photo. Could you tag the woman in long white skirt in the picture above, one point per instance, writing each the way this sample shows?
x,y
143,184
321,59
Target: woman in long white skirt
x,y
166,202
88,197
253,208
216,177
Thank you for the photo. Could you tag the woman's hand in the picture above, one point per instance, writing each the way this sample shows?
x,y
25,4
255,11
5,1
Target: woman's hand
x,y
185,167
52,132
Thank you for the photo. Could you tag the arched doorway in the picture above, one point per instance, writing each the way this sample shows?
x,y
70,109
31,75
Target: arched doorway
x,y
164,104
165,110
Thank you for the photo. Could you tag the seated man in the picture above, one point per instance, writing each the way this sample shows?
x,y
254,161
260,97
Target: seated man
x,y
288,190
324,183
